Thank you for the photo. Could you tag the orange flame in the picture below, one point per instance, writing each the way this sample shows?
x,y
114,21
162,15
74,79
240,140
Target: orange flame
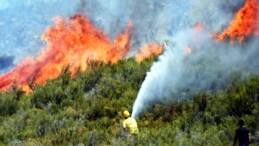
x,y
71,44
149,51
245,23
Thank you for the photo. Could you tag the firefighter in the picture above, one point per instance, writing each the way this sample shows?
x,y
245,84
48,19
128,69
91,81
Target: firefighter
x,y
130,124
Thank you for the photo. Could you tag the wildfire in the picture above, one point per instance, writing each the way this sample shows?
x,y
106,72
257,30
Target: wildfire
x,y
245,23
71,44
149,51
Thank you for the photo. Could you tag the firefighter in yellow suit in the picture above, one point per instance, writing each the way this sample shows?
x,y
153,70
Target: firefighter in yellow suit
x,y
130,124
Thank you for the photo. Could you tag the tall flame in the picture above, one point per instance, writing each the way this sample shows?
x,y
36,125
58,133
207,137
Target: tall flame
x,y
71,44
245,23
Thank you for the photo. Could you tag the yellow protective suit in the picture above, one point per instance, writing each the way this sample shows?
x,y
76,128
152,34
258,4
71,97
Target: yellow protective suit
x,y
131,125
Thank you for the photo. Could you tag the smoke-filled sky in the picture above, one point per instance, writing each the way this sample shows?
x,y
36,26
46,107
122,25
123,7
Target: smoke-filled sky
x,y
23,22
209,67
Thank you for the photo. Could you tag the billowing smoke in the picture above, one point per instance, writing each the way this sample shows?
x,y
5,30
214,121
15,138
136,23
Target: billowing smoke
x,y
23,22
150,17
156,20
177,76
209,67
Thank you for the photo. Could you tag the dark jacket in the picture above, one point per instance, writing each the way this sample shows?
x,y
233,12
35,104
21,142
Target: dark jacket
x,y
242,134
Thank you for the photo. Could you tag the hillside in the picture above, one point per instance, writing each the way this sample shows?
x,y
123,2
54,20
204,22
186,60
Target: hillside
x,y
87,110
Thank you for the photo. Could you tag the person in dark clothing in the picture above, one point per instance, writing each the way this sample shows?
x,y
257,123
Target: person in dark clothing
x,y
242,134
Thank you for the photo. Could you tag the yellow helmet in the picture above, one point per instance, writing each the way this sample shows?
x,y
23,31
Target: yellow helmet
x,y
126,114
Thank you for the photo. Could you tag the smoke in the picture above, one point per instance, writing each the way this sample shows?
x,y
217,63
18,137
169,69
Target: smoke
x,y
23,22
155,20
210,67
150,17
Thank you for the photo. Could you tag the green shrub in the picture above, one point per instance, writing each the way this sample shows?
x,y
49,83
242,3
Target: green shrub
x,y
8,105
87,110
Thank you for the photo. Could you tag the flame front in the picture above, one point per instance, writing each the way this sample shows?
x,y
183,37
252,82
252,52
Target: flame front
x,y
71,44
245,23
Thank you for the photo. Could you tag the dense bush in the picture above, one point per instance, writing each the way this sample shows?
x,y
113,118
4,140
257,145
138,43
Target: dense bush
x,y
8,104
87,110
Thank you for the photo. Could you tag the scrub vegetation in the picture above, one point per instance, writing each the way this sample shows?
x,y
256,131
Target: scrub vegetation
x,y
87,110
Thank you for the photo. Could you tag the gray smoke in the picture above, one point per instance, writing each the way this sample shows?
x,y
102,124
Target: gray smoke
x,y
23,22
210,67
156,20
153,19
